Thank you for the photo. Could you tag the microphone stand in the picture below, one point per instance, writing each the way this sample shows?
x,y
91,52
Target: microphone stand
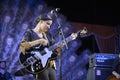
x,y
61,31
61,37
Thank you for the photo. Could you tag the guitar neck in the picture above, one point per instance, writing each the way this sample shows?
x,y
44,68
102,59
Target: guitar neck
x,y
64,41
61,43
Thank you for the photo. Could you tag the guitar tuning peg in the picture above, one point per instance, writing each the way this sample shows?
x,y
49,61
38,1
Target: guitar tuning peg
x,y
84,31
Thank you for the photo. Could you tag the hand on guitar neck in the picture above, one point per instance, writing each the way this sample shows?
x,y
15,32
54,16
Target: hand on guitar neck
x,y
81,32
73,36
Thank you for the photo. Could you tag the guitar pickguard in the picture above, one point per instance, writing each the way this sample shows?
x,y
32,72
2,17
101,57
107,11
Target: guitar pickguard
x,y
34,62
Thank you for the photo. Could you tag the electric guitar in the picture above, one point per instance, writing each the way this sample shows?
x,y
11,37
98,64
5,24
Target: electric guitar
x,y
37,61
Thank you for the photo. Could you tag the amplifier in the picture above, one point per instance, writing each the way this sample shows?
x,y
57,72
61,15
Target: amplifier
x,y
102,60
98,73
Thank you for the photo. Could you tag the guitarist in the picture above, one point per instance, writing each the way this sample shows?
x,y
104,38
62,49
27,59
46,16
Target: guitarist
x,y
39,38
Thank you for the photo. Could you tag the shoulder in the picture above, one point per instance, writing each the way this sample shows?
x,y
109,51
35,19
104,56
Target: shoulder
x,y
28,31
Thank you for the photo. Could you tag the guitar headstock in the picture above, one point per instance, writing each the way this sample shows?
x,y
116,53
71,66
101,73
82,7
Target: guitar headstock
x,y
82,32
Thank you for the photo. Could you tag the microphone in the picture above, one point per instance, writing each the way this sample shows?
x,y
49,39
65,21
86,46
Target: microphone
x,y
52,13
55,10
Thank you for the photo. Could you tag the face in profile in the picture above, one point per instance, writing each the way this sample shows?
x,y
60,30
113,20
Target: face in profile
x,y
45,24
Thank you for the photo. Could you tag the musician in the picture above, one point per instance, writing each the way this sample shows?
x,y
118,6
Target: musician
x,y
116,67
4,74
39,38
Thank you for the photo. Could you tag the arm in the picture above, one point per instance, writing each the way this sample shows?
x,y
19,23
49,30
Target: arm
x,y
58,50
33,43
28,44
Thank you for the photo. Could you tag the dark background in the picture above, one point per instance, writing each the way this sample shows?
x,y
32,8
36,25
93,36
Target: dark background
x,y
89,11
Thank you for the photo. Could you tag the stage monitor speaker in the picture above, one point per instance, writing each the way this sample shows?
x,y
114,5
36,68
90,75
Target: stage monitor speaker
x,y
99,73
102,60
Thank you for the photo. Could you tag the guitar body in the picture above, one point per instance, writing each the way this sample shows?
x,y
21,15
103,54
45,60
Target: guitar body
x,y
112,78
34,62
29,66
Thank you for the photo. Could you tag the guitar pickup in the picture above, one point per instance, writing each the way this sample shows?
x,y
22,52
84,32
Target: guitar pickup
x,y
31,60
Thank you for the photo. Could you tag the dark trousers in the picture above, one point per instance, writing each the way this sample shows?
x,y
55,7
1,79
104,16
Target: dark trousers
x,y
48,74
